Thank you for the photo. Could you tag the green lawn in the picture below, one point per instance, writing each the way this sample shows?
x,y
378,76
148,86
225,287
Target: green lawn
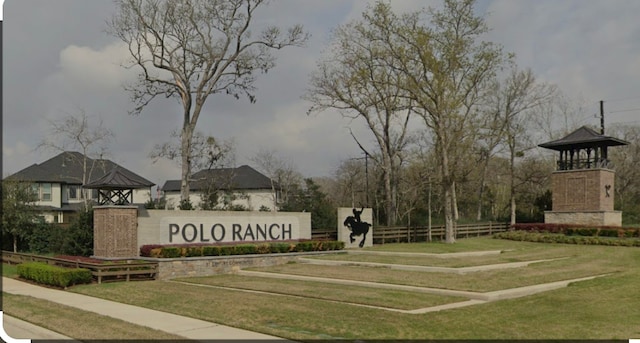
x,y
75,323
9,270
596,309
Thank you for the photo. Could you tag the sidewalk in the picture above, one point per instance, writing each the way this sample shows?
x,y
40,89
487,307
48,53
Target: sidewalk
x,y
183,326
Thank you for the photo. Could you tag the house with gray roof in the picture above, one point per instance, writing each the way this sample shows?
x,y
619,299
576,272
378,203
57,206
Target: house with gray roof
x,y
226,188
58,183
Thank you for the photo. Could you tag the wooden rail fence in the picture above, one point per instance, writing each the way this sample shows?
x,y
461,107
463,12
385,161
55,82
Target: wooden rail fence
x,y
117,271
382,235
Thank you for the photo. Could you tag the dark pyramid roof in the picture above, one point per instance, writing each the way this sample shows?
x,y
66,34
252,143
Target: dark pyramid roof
x,y
243,177
120,178
581,138
66,167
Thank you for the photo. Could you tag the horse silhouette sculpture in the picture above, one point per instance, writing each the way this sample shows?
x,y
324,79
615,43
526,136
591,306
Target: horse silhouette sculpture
x,y
357,228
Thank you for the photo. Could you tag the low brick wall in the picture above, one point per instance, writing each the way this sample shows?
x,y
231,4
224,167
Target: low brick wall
x,y
169,268
597,218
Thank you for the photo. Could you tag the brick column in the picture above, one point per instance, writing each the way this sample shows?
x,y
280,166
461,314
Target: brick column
x,y
115,231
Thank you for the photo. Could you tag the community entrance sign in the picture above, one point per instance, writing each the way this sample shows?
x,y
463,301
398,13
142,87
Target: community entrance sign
x,y
239,229
120,231
212,227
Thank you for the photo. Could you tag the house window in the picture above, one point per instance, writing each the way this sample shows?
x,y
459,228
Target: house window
x,y
42,191
45,191
35,190
73,192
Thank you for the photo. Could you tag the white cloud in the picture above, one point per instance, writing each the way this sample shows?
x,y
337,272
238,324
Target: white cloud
x,y
85,67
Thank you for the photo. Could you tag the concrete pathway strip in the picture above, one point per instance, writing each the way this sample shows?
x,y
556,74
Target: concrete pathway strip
x,y
476,297
179,325
453,270
441,255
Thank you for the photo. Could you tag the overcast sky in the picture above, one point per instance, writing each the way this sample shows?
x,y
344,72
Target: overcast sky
x,y
58,59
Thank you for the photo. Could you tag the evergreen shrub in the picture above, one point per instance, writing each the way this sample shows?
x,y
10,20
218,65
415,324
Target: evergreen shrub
x,y
53,275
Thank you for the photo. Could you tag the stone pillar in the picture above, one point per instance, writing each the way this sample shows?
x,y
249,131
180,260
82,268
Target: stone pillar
x,y
352,232
115,231
584,197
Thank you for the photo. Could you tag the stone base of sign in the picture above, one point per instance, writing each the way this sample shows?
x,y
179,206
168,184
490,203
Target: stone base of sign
x,y
115,231
595,218
207,266
349,228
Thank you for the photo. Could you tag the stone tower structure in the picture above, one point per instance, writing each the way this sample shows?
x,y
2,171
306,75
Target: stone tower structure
x,y
583,184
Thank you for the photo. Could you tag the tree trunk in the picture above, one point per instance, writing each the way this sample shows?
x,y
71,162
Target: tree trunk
x,y
429,213
450,236
389,190
512,186
448,188
15,243
454,201
483,176
185,150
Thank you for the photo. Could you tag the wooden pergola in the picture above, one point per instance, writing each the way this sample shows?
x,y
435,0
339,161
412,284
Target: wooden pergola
x,y
583,149
116,187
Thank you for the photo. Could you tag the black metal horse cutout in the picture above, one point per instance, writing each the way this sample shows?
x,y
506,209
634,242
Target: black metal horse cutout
x,y
357,228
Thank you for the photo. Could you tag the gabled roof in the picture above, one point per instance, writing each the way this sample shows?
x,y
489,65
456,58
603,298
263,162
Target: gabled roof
x,y
243,177
120,178
581,138
67,167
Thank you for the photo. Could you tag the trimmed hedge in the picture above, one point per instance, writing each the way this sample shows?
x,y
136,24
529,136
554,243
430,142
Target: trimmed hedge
x,y
175,251
566,239
578,230
53,275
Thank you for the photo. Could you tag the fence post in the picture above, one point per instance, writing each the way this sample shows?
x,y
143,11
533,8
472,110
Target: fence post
x,y
489,228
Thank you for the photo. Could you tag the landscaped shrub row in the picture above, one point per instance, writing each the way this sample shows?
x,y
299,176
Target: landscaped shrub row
x,y
174,251
578,230
565,239
53,275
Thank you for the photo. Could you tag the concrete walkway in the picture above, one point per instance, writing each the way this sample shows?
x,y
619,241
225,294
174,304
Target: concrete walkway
x,y
430,269
474,297
188,328
425,254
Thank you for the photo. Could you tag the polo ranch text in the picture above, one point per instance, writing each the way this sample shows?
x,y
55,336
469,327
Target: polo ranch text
x,y
235,232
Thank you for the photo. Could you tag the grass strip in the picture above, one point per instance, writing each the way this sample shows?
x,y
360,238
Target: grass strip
x,y
9,270
317,290
75,323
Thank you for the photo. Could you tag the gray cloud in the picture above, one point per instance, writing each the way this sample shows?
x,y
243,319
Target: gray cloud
x,y
57,59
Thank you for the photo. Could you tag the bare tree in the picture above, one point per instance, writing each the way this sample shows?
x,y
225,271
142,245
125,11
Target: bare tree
x,y
351,177
512,103
358,78
626,160
205,152
445,71
190,49
282,173
75,132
